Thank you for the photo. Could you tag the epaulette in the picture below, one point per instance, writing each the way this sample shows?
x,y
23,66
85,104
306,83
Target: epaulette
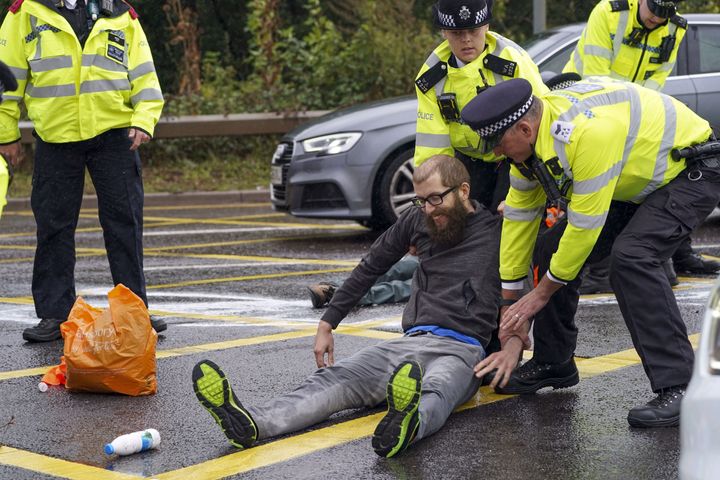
x,y
499,65
133,14
679,21
432,76
16,6
619,5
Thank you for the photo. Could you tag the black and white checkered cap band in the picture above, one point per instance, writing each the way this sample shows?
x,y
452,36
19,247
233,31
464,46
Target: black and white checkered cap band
x,y
481,16
563,85
447,20
501,125
666,3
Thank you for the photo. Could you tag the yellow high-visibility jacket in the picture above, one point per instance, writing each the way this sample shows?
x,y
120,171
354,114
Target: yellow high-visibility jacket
x,y
434,135
605,47
613,140
75,93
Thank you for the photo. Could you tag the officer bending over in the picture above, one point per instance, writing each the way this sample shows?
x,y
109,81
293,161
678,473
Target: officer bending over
x,y
603,149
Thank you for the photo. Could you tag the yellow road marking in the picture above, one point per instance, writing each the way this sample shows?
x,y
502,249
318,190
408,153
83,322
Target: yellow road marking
x,y
231,243
363,329
253,258
56,467
288,448
296,446
244,278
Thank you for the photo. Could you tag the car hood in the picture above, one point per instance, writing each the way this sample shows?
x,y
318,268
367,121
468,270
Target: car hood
x,y
365,117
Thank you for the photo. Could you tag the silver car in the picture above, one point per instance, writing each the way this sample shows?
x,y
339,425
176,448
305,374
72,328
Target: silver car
x,y
356,163
700,415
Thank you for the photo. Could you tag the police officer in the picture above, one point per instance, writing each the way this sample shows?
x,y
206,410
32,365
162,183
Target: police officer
x,y
469,60
596,148
86,74
637,41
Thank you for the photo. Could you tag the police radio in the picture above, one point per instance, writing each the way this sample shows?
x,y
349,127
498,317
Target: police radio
x,y
538,170
447,102
666,47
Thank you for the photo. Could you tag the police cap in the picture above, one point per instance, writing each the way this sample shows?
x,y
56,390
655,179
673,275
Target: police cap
x,y
563,80
462,14
498,108
663,8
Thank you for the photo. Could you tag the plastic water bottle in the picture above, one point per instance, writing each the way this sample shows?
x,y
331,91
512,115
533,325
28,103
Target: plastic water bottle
x,y
134,442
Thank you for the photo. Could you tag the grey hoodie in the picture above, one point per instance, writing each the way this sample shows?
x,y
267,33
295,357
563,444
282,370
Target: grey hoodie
x,y
455,287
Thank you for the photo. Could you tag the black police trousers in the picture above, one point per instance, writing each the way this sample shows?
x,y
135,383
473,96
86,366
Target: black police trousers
x,y
638,239
57,190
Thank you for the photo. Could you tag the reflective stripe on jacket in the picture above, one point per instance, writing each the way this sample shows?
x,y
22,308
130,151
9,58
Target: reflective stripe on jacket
x,y
613,139
434,135
605,47
75,93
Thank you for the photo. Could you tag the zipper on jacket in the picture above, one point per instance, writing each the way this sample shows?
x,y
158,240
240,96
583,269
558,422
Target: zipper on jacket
x,y
642,55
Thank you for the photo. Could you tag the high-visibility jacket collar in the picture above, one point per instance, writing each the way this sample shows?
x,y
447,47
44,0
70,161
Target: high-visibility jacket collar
x,y
119,7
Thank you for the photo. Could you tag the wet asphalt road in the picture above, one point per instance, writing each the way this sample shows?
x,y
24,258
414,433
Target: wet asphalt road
x,y
228,275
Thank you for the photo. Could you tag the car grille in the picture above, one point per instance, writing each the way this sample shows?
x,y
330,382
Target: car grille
x,y
321,196
279,192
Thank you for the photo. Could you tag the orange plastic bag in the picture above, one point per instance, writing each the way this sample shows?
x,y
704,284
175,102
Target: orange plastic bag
x,y
109,350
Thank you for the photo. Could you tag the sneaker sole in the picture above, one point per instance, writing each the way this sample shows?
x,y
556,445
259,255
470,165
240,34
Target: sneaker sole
x,y
216,396
669,422
398,427
555,383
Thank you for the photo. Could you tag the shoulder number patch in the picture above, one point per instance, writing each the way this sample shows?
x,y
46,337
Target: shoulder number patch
x,y
500,65
432,76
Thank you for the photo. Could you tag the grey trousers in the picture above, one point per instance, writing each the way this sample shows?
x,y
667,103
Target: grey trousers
x,y
360,381
395,286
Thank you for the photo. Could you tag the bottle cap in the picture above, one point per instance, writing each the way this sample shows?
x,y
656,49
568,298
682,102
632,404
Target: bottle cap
x,y
42,386
109,449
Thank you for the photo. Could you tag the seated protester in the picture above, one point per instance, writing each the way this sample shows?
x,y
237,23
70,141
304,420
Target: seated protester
x,y
425,374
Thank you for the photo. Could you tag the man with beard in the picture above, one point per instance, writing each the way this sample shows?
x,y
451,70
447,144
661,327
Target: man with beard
x,y
438,362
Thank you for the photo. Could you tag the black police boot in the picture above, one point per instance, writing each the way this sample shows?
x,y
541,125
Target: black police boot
x,y
46,331
695,263
661,411
158,324
532,376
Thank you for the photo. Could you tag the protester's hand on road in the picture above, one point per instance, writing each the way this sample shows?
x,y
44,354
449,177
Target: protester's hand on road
x,y
11,152
138,137
412,250
324,344
503,361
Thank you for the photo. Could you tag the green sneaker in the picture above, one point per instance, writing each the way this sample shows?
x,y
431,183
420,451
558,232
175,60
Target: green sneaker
x,y
397,429
215,394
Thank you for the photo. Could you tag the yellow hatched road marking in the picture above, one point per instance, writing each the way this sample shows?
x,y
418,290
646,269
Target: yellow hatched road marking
x,y
244,278
292,447
253,258
56,467
296,446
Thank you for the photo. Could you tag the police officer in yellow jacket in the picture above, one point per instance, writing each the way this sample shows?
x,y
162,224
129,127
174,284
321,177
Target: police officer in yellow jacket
x,y
612,154
469,60
637,41
633,40
86,75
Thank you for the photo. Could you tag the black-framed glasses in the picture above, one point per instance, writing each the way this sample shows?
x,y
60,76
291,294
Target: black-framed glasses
x,y
433,200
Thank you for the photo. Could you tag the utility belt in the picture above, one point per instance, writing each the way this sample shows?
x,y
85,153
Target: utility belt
x,y
698,157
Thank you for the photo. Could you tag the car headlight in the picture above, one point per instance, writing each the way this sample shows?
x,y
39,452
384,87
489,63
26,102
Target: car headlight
x,y
332,144
713,316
